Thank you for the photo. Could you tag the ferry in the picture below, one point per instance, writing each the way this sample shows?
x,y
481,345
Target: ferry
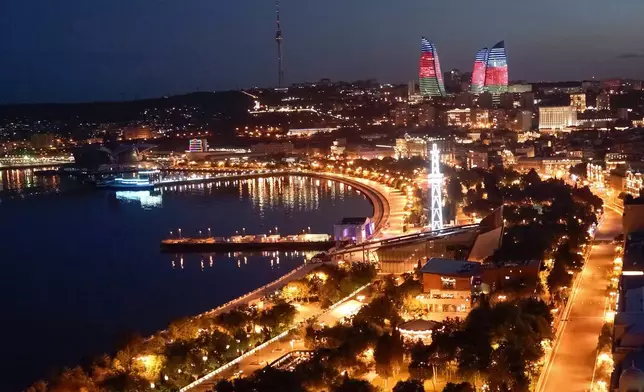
x,y
143,180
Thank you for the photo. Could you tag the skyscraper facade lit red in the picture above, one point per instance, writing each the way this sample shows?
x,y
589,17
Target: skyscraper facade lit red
x,y
479,71
496,72
430,77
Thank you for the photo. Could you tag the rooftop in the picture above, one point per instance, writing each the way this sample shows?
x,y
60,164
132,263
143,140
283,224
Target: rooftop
x,y
634,252
450,267
626,284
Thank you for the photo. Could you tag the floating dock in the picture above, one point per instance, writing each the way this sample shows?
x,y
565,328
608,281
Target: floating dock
x,y
248,243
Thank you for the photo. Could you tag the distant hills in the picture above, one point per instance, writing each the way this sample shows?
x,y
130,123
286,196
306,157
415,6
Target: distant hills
x,y
222,105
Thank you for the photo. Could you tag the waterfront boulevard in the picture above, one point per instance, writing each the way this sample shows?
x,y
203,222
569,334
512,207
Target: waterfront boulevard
x,y
573,358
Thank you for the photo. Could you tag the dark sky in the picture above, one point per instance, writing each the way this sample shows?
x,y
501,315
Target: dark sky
x,y
77,50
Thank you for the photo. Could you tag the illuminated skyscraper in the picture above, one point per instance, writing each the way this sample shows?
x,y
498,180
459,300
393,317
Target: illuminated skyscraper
x,y
478,73
496,72
430,77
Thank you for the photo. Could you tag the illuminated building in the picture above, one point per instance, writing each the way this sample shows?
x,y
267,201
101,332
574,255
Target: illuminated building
x,y
426,115
137,133
557,118
448,285
43,140
477,159
578,101
356,230
520,88
198,145
459,117
478,73
409,147
430,78
496,70
465,118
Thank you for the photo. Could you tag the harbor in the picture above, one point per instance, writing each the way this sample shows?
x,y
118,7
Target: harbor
x,y
249,243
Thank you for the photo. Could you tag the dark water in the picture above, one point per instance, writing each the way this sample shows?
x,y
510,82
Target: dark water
x,y
81,268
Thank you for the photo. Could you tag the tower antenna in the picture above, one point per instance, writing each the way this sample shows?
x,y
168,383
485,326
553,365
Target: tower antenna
x,y
278,38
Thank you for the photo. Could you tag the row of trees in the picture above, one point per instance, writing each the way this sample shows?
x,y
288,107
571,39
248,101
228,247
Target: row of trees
x,y
329,283
192,347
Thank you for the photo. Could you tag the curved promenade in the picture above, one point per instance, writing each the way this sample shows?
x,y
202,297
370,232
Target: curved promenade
x,y
379,198
388,205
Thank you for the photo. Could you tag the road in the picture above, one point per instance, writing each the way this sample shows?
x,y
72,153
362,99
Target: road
x,y
573,357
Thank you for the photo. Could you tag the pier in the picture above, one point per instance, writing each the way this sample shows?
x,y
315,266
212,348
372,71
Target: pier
x,y
248,243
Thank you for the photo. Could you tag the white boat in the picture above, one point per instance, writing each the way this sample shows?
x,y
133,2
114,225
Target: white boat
x,y
127,183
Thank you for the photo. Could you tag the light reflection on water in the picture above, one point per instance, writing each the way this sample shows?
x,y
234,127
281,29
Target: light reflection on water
x,y
87,262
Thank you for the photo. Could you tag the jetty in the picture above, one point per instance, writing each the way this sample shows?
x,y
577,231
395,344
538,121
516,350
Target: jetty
x,y
248,243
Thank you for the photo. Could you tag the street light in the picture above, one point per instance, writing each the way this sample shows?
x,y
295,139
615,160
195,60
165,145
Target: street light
x,y
179,233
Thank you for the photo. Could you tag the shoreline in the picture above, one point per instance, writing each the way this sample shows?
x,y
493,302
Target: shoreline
x,y
375,198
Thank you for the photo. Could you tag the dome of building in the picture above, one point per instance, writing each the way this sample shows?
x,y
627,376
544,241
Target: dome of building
x,y
631,380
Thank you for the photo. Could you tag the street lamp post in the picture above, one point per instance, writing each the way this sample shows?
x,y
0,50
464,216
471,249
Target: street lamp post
x,y
179,233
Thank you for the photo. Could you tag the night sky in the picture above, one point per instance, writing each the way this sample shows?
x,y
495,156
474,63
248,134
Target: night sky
x,y
78,50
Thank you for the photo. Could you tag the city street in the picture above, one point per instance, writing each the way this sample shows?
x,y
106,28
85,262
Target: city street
x,y
573,358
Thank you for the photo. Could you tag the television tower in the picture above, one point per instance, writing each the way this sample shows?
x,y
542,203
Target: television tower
x,y
278,38
436,183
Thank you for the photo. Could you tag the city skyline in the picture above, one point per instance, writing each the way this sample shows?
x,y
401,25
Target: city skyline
x,y
118,50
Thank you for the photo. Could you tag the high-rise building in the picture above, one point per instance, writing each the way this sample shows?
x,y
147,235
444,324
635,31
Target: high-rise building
x,y
198,145
430,78
603,101
578,101
557,118
478,73
426,115
496,71
452,81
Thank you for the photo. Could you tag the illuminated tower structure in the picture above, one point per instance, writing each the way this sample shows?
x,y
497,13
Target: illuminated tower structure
x,y
430,77
478,73
278,39
496,71
436,183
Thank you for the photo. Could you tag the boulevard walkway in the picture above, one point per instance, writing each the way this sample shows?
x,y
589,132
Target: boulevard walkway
x,y
573,358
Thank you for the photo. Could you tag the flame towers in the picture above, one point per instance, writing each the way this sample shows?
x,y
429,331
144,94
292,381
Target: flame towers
x,y
496,71
478,73
430,75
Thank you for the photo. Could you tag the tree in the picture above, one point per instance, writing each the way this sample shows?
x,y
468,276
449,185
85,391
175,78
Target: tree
x,y
531,178
296,290
353,385
605,338
409,386
278,318
38,386
183,329
388,355
462,387
73,380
